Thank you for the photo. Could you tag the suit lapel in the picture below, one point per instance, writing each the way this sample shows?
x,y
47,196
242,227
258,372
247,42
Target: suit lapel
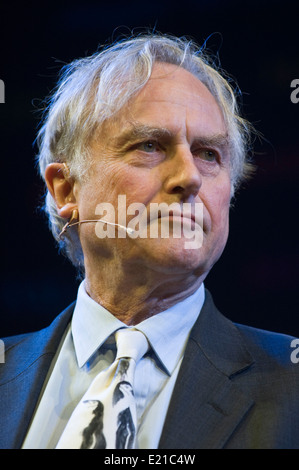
x,y
23,375
206,405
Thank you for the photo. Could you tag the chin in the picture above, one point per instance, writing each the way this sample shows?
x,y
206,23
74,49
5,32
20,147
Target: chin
x,y
172,256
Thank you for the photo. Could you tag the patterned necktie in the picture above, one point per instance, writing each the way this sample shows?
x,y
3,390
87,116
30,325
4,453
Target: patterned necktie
x,y
106,417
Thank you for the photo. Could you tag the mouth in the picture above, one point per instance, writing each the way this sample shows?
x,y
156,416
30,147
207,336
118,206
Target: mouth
x,y
187,216
183,217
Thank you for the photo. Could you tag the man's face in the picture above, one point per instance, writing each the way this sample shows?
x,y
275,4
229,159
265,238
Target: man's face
x,y
168,144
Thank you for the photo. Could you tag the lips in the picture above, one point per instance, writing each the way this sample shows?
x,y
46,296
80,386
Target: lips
x,y
173,213
193,215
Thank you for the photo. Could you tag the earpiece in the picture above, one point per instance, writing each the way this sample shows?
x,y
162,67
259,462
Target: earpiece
x,y
66,170
74,216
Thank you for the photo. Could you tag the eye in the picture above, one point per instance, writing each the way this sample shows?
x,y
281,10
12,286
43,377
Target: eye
x,y
207,155
210,155
149,146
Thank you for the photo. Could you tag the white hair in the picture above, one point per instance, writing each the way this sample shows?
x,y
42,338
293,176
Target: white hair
x,y
93,89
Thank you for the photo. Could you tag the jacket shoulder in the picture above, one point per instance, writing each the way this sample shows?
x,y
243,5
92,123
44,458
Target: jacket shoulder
x,y
268,345
23,350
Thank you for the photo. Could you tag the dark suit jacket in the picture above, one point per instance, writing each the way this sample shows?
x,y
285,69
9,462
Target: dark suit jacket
x,y
237,387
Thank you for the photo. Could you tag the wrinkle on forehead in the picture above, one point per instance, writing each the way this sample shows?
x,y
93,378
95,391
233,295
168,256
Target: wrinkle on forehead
x,y
170,88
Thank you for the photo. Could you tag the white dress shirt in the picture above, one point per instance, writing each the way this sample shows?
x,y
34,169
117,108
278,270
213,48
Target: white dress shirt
x,y
88,347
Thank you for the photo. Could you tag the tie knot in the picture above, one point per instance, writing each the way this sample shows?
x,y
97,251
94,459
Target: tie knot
x,y
131,343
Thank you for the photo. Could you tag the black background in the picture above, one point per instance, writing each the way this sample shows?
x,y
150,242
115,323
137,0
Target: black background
x,y
256,281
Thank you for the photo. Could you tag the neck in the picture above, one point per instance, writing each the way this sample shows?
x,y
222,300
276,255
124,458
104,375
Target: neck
x,y
132,295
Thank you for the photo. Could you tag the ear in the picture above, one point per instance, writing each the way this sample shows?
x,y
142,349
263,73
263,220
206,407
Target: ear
x,y
61,187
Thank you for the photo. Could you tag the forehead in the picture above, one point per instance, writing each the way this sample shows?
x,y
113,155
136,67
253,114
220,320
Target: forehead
x,y
167,79
174,99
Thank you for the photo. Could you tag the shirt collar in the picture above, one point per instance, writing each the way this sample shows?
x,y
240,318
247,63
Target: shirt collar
x,y
167,332
92,324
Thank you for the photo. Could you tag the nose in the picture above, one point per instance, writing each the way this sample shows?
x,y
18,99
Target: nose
x,y
183,177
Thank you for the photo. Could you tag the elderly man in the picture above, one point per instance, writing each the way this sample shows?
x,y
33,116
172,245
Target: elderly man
x,y
143,359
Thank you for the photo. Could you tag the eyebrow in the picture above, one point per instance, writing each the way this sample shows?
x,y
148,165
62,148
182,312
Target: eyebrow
x,y
144,132
214,140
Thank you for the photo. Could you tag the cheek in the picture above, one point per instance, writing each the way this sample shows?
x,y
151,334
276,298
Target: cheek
x,y
139,185
219,204
107,183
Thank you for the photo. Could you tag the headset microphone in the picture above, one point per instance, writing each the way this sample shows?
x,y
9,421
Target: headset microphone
x,y
69,224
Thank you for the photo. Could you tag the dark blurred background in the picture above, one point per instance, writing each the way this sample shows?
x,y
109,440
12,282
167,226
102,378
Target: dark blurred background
x,y
257,42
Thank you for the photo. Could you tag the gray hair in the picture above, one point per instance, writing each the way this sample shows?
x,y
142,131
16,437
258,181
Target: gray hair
x,y
93,89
